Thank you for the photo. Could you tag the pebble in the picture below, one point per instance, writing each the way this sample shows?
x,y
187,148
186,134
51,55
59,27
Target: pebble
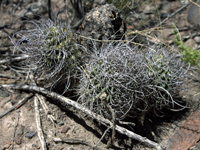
x,y
194,14
4,92
18,140
26,130
61,123
8,142
71,148
197,145
20,130
56,139
6,146
34,145
30,135
64,129
166,33
190,43
7,105
197,39
47,142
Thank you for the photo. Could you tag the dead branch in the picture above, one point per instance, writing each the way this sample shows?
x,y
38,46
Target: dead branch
x,y
46,109
72,141
99,118
14,59
38,124
102,136
42,101
17,105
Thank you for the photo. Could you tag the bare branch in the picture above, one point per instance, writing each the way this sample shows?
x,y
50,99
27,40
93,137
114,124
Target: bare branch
x,y
99,118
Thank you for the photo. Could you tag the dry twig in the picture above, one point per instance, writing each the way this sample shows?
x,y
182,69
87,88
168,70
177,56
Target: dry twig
x,y
72,141
17,105
99,118
46,109
14,59
38,124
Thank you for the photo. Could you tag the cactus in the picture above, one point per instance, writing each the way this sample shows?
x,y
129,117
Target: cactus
x,y
134,82
52,49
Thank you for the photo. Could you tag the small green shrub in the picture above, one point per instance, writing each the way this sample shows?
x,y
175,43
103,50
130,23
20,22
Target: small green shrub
x,y
190,56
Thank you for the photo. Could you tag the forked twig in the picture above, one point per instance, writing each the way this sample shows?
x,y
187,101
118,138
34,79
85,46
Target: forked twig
x,y
99,118
46,109
37,118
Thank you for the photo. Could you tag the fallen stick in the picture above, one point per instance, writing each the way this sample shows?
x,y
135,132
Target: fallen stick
x,y
45,108
17,105
99,118
13,59
73,141
38,124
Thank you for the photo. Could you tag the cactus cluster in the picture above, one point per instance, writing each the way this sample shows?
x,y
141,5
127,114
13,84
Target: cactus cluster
x,y
131,80
134,82
52,48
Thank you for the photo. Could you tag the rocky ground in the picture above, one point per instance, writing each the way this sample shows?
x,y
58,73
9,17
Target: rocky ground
x,y
18,128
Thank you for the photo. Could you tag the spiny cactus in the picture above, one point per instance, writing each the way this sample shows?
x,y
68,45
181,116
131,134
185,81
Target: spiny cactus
x,y
52,48
134,82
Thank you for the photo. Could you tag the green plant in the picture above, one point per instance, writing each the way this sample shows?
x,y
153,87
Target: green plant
x,y
190,56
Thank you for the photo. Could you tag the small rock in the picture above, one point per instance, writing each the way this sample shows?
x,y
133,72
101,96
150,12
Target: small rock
x,y
56,139
61,123
8,142
30,135
147,9
197,145
166,33
190,43
6,146
34,145
71,148
18,140
20,130
64,129
194,14
7,105
47,142
3,92
26,130
197,39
